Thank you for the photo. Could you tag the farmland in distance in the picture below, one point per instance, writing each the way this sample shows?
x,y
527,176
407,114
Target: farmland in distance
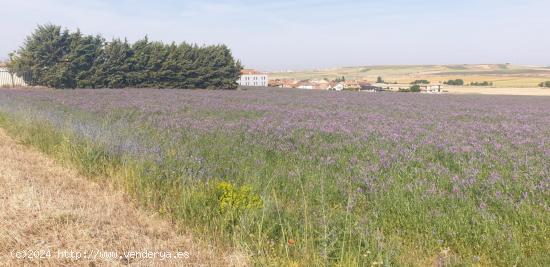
x,y
507,79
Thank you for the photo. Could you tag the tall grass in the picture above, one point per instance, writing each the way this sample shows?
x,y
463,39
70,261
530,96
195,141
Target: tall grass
x,y
307,199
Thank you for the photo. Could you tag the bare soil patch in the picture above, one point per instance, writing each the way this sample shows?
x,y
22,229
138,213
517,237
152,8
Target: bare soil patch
x,y
498,91
47,207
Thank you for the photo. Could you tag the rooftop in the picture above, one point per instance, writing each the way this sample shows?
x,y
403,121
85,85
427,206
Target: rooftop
x,y
250,72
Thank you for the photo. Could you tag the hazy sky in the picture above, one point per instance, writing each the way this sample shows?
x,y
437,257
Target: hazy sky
x,y
308,34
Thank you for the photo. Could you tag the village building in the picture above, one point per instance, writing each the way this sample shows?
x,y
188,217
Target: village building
x,y
368,87
352,85
251,77
283,83
275,83
291,83
338,87
305,85
322,86
431,89
320,81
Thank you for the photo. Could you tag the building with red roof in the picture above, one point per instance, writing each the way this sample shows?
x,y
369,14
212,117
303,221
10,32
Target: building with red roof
x,y
250,77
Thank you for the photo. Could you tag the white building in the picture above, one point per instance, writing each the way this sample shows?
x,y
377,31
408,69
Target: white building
x,y
338,87
431,89
253,78
305,85
10,80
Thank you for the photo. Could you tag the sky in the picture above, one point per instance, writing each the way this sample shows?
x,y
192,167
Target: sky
x,y
308,34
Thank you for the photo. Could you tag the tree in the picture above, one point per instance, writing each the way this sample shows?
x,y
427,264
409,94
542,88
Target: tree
x,y
415,88
139,73
57,58
481,83
341,79
421,82
112,66
83,53
458,82
380,80
40,61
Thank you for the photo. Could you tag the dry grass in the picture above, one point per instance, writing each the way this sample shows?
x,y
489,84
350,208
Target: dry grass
x,y
49,207
498,90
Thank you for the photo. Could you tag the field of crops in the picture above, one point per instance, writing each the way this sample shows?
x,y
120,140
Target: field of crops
x,y
501,75
316,178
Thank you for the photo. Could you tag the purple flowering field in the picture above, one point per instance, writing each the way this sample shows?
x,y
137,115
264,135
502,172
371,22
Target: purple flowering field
x,y
344,178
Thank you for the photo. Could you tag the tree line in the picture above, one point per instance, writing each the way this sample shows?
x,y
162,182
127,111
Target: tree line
x,y
57,58
459,82
420,82
481,83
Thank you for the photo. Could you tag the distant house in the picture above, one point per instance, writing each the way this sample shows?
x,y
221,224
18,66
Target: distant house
x,y
322,86
320,82
251,77
290,83
305,85
352,85
275,83
431,89
338,87
368,87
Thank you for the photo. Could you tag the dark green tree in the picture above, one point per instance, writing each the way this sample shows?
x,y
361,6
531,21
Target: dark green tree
x,y
139,74
56,58
415,88
421,82
83,52
112,66
458,82
40,61
340,79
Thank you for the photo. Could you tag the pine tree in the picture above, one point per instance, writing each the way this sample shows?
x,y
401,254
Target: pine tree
x,y
112,67
60,59
38,61
139,62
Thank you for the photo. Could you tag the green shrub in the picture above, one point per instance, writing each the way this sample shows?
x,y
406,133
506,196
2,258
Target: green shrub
x,y
421,82
340,79
481,83
415,88
458,82
236,200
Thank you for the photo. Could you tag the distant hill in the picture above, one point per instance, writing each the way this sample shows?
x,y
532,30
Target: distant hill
x,y
502,75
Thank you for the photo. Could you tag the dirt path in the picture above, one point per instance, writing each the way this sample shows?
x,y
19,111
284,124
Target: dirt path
x,y
47,208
